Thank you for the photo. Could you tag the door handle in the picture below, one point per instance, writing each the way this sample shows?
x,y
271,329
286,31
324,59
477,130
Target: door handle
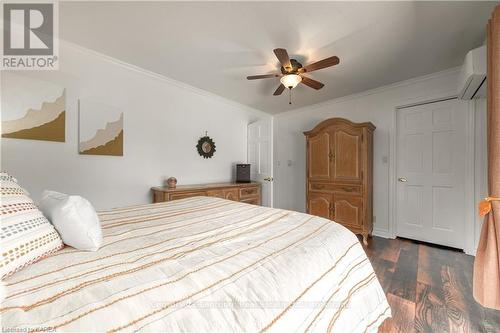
x,y
331,156
402,179
268,179
332,209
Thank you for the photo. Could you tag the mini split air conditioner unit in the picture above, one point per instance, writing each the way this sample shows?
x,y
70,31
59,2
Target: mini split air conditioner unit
x,y
472,80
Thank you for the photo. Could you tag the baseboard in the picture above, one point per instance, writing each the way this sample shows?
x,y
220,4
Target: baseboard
x,y
381,233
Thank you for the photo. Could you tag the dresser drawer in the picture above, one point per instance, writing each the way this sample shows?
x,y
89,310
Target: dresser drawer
x,y
216,193
231,194
183,195
252,201
354,189
247,192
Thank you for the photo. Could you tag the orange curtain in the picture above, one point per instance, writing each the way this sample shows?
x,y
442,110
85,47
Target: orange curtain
x,y
487,262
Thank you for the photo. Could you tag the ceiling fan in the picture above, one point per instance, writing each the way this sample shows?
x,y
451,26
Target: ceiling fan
x,y
292,72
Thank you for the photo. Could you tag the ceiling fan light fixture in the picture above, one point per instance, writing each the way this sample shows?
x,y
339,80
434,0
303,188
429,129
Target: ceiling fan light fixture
x,y
292,71
291,80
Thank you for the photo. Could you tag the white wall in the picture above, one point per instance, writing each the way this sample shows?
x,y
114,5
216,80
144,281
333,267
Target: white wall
x,y
163,120
377,106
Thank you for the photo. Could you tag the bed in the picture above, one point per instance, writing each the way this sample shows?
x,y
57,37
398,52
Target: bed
x,y
202,265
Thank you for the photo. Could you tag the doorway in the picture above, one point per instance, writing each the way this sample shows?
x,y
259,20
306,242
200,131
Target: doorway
x,y
260,157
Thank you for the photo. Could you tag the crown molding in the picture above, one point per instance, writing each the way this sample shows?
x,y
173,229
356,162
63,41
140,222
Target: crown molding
x,y
449,71
207,94
162,78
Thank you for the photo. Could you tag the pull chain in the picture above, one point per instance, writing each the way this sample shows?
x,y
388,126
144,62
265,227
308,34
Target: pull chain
x,y
290,96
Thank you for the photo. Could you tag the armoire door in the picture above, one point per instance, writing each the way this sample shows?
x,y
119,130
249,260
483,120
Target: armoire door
x,y
320,204
348,210
346,163
319,155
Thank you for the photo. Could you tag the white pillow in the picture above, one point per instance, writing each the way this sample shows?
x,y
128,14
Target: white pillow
x,y
74,218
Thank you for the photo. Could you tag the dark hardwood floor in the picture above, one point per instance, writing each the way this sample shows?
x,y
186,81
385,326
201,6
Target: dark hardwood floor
x,y
429,288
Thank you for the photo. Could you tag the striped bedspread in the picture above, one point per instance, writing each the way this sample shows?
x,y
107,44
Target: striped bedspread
x,y
202,265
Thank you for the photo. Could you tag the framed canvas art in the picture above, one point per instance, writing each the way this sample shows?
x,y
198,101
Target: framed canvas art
x,y
100,129
32,109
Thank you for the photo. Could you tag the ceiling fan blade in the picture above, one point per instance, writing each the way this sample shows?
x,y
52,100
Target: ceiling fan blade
x,y
328,62
279,90
283,57
265,76
312,83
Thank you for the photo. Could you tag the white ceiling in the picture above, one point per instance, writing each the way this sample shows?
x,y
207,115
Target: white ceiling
x,y
215,45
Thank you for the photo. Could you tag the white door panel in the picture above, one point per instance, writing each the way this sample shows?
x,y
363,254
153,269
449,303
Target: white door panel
x,y
431,172
260,157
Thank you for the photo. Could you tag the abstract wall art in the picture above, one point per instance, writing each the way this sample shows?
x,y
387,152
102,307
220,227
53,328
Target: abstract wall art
x,y
100,129
32,109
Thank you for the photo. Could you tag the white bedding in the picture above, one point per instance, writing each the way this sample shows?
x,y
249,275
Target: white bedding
x,y
203,265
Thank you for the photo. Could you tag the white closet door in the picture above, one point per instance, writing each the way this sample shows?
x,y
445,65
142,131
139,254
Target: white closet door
x,y
431,172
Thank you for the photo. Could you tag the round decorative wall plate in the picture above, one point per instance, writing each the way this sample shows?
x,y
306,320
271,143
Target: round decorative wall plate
x,y
206,147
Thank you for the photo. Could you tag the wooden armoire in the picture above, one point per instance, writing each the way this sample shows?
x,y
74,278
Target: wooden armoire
x,y
340,172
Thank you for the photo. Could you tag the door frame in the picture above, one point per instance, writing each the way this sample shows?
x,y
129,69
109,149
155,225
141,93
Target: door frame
x,y
469,227
271,162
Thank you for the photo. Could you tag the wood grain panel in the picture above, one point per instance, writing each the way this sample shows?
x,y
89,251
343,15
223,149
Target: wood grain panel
x,y
252,201
158,197
231,194
333,187
348,210
319,204
318,156
347,160
243,192
247,192
184,195
216,193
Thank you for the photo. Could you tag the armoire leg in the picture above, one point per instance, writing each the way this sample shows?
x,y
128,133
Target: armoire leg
x,y
365,239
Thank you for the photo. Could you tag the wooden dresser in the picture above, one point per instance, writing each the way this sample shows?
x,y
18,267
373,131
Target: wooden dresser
x,y
340,172
243,192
